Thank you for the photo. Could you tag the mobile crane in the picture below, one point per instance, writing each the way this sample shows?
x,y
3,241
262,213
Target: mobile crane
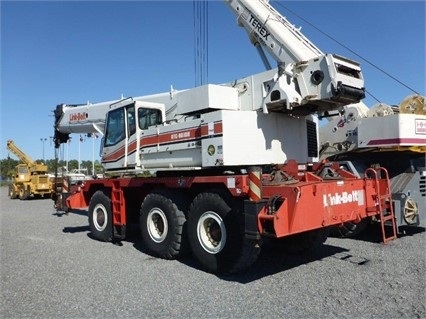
x,y
228,164
30,179
389,136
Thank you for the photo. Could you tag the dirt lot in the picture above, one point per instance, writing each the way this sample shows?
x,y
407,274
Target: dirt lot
x,y
51,268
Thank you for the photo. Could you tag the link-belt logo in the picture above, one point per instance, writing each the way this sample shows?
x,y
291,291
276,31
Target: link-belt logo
x,y
78,117
343,198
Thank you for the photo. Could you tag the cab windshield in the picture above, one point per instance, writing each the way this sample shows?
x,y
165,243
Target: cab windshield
x,y
115,128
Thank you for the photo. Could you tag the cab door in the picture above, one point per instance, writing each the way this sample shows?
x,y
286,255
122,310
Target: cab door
x,y
119,134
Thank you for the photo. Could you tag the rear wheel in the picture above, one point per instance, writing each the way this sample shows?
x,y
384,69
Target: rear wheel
x,y
162,222
100,216
303,243
351,229
216,235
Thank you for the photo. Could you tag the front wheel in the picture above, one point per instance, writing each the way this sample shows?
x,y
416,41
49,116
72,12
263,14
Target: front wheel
x,y
24,193
100,216
216,235
12,192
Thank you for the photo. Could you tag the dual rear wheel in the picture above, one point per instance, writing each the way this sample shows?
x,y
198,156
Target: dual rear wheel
x,y
213,231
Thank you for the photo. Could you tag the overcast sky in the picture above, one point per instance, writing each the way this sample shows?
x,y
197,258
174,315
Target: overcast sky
x,y
72,52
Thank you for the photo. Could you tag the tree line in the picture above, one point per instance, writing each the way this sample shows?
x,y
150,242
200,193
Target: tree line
x,y
7,166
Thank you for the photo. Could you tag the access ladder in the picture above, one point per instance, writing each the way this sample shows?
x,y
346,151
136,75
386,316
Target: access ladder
x,y
118,210
384,205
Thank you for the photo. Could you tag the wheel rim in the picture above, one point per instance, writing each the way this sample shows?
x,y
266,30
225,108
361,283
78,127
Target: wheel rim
x,y
100,217
411,211
157,225
211,232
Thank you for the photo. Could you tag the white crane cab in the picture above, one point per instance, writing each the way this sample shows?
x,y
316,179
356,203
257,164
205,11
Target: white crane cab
x,y
138,136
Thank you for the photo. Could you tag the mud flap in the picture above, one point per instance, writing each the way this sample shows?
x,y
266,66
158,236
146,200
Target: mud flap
x,y
251,210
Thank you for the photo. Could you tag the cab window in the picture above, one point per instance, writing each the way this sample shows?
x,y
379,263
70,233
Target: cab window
x,y
148,117
22,170
131,120
115,127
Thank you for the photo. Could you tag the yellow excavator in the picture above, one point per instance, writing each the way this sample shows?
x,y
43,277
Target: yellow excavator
x,y
30,179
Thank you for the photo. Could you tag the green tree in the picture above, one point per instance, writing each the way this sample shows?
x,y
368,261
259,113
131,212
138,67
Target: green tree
x,y
51,165
7,167
72,164
87,165
98,167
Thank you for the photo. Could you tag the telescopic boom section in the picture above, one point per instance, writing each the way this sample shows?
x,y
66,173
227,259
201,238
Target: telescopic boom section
x,y
323,82
20,154
269,28
79,119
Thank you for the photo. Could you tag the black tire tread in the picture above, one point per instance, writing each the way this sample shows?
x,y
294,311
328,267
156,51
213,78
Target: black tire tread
x,y
350,230
303,243
236,260
101,197
178,245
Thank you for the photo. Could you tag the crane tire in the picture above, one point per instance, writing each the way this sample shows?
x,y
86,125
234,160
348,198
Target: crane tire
x,y
216,235
350,229
24,193
162,224
12,192
100,217
303,243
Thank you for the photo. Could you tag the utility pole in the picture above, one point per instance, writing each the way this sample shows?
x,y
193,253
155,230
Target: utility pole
x,y
43,140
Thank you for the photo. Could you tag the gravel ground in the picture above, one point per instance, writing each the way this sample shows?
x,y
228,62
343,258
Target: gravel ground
x,y
51,268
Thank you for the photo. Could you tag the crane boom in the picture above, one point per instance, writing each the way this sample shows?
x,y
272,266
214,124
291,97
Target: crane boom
x,y
267,27
19,153
323,82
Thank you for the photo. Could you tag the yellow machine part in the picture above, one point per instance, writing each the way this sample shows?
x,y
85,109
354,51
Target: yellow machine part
x,y
416,149
413,104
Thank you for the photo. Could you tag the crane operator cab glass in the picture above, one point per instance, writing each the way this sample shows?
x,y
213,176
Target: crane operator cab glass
x,y
126,127
116,125
115,128
148,117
